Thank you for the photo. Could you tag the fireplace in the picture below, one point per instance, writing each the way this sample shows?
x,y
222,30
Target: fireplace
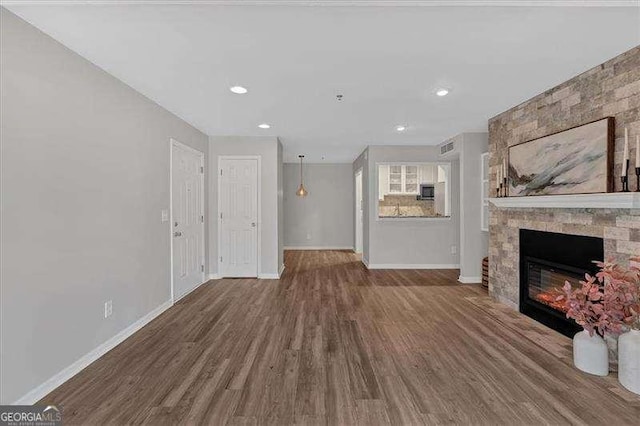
x,y
547,260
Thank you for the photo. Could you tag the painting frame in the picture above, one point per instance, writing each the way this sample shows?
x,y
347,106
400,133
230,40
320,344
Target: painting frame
x,y
608,146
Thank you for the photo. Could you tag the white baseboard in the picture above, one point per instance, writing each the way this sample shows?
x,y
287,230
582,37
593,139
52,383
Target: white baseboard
x,y
268,276
365,261
411,265
260,276
469,280
58,379
318,248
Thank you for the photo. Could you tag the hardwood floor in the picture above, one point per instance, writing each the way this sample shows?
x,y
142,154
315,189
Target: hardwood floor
x,y
333,343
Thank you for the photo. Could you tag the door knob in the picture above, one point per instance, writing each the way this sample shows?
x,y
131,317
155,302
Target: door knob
x,y
253,224
177,234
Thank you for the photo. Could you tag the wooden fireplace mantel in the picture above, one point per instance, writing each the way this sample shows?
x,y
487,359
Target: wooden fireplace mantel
x,y
613,200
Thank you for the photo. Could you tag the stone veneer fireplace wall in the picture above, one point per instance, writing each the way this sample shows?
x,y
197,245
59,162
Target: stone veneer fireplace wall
x,y
608,90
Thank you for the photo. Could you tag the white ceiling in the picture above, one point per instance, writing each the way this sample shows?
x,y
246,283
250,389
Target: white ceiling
x,y
386,61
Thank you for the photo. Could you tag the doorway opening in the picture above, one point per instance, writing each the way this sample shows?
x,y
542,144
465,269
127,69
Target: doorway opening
x,y
359,211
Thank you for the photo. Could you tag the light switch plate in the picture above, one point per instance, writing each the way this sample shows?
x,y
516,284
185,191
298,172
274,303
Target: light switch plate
x,y
165,215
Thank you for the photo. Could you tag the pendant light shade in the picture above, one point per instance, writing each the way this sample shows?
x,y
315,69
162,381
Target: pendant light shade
x,y
301,192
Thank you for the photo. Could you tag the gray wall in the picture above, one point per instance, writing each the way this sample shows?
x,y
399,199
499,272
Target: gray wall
x,y
473,241
267,148
324,218
85,175
410,242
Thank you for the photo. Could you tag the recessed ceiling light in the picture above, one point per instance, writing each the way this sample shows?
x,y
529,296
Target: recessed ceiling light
x,y
401,128
238,89
264,126
442,92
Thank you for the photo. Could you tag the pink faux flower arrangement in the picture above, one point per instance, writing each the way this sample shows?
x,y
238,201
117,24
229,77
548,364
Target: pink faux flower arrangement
x,y
607,302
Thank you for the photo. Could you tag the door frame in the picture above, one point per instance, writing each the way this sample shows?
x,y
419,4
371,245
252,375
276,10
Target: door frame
x,y
359,173
258,158
173,142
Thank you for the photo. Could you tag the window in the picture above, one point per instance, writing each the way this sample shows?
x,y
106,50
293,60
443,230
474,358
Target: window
x,y
413,190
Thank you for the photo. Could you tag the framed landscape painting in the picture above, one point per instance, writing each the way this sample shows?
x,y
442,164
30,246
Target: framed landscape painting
x,y
575,161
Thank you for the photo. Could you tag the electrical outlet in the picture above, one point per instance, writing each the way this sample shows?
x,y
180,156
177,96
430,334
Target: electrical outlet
x,y
108,308
454,249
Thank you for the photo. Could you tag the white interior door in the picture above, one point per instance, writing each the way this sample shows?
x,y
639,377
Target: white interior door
x,y
187,218
359,212
238,217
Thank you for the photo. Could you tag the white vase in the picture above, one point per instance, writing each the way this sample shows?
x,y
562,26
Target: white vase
x,y
590,354
629,360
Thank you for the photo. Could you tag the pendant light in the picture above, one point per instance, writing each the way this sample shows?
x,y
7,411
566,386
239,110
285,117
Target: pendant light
x,y
301,192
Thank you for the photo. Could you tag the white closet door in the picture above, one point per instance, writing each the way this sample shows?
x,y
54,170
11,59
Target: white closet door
x,y
239,218
187,188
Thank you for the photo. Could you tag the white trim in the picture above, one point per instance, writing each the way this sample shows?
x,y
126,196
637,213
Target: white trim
x,y
269,276
612,200
346,3
177,143
469,280
365,262
281,271
258,158
58,379
214,277
412,266
359,174
484,196
318,247
171,216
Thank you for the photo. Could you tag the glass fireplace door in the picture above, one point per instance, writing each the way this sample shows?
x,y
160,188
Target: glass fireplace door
x,y
545,282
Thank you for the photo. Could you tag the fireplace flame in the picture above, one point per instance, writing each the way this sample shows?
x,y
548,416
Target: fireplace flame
x,y
550,298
